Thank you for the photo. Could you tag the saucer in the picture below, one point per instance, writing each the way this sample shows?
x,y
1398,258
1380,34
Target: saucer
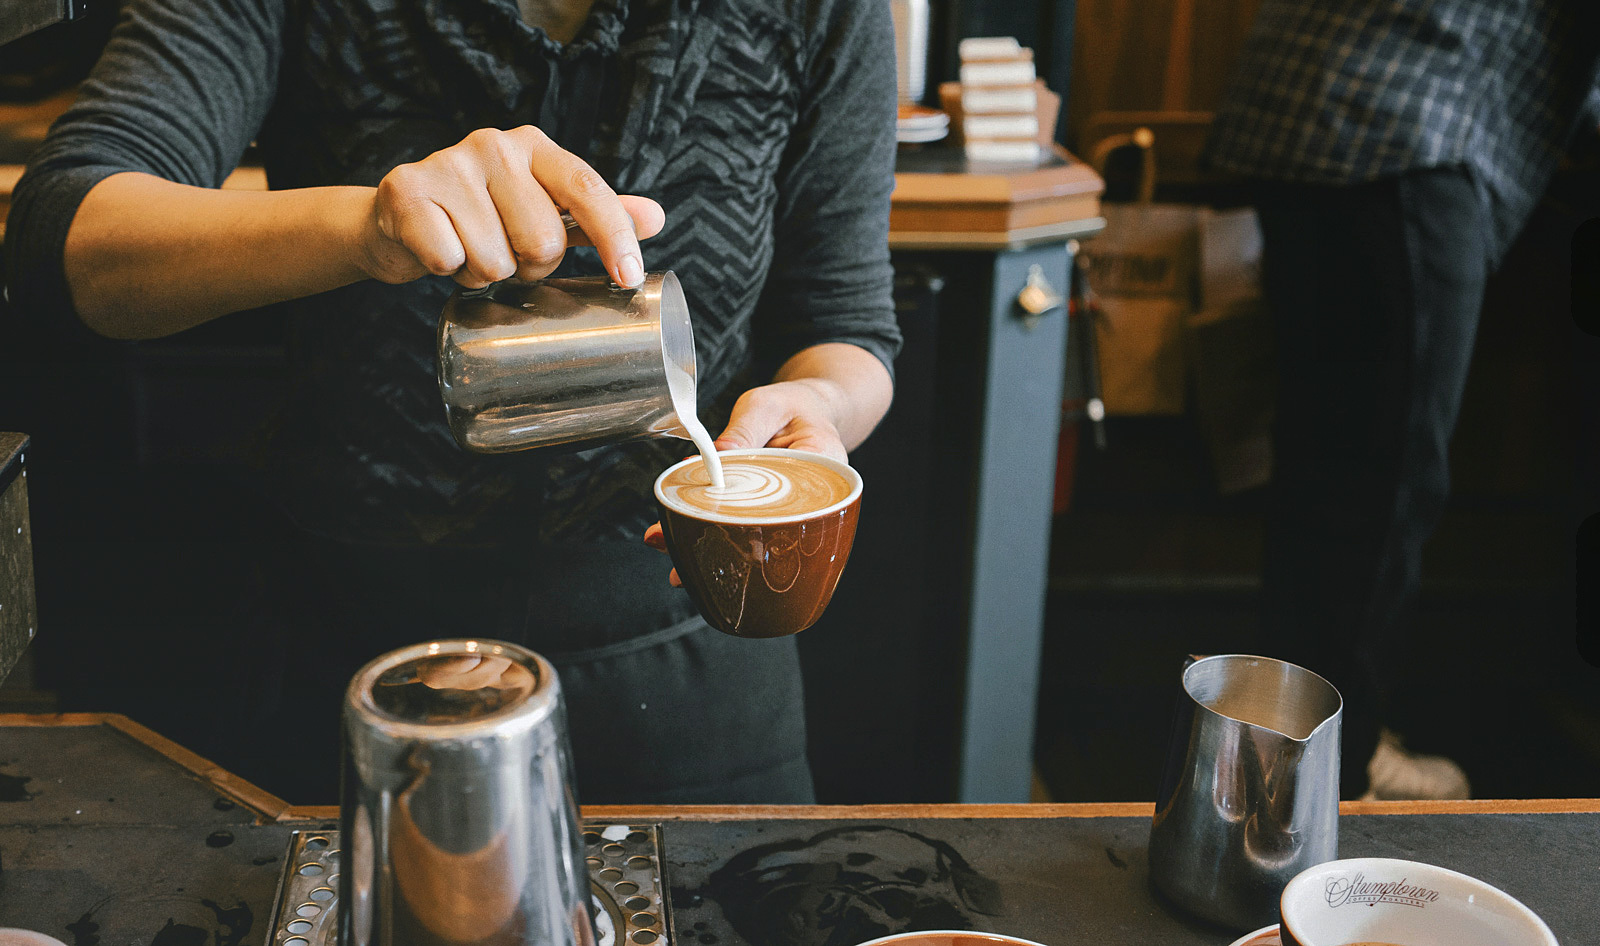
x,y
1266,936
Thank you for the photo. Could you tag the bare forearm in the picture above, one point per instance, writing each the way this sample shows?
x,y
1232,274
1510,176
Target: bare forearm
x,y
851,381
147,257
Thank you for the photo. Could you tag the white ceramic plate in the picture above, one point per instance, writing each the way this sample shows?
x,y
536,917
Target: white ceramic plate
x,y
1382,899
10,936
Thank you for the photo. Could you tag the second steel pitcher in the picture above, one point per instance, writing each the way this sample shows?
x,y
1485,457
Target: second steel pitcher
x,y
1249,795
459,818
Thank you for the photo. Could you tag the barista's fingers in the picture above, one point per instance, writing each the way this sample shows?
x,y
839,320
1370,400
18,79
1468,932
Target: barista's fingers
x,y
784,414
482,235
593,204
648,219
407,215
530,219
655,537
674,580
812,438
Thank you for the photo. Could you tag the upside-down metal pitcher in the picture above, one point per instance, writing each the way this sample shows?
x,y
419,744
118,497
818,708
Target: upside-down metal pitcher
x,y
458,815
1249,795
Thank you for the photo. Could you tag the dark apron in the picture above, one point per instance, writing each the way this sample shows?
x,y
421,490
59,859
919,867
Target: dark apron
x,y
662,709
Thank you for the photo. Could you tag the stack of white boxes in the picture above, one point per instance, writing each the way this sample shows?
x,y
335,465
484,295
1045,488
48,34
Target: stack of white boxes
x,y
999,101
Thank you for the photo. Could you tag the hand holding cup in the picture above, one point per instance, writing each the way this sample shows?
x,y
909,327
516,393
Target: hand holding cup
x,y
762,556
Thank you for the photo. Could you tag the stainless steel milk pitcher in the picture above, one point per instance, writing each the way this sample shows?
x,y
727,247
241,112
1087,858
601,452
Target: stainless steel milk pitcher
x,y
458,816
566,361
1249,795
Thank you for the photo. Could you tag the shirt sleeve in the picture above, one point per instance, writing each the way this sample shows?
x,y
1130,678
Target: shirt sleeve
x,y
181,90
830,278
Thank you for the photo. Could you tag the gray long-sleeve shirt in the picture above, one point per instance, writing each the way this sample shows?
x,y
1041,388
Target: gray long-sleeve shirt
x,y
766,130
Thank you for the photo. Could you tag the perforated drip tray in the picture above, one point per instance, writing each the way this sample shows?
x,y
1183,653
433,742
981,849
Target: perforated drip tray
x,y
626,881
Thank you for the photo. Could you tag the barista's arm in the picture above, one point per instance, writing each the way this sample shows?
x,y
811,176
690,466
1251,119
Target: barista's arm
x,y
825,320
147,257
119,216
826,399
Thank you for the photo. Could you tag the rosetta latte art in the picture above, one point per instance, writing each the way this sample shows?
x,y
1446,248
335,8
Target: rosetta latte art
x,y
757,487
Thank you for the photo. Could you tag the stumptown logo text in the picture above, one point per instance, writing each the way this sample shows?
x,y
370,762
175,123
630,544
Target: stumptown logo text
x,y
1343,891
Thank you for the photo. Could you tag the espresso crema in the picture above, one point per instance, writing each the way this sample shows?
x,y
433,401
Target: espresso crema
x,y
756,487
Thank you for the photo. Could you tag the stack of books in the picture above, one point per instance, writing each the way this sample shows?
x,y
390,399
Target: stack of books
x,y
999,101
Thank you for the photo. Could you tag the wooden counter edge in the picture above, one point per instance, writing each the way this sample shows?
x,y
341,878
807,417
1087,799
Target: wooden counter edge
x,y
663,813
272,808
267,806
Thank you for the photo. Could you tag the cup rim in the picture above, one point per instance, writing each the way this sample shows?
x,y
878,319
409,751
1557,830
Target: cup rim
x,y
844,469
992,937
1255,936
1479,887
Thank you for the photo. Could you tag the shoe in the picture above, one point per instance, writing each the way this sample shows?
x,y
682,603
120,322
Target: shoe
x,y
1397,774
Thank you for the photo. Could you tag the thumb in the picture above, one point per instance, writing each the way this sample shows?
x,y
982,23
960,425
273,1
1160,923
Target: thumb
x,y
753,423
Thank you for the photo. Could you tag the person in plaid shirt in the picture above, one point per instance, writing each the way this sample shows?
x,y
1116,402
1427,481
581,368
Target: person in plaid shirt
x,y
1396,147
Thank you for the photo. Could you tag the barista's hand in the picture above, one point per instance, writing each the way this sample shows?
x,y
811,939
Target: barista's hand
x,y
796,414
656,538
489,208
827,396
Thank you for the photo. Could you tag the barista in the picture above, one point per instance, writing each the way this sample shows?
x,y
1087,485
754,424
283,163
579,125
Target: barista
x,y
415,148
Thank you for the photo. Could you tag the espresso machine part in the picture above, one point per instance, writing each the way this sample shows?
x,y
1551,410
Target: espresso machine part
x,y
566,361
458,819
1249,796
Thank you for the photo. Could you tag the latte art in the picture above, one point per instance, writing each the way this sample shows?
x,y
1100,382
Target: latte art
x,y
757,487
751,487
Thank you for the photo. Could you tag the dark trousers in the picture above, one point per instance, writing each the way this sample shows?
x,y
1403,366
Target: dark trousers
x,y
1375,291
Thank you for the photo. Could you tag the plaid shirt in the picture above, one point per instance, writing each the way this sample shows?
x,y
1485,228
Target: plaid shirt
x,y
1346,91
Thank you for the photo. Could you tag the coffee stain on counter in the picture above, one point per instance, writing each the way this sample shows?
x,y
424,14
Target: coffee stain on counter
x,y
233,924
85,931
848,885
179,934
14,788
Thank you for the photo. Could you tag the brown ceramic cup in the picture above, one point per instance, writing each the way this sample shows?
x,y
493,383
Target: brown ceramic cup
x,y
761,576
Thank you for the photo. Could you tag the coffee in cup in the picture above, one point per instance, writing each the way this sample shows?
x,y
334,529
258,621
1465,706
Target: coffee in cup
x,y
761,555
